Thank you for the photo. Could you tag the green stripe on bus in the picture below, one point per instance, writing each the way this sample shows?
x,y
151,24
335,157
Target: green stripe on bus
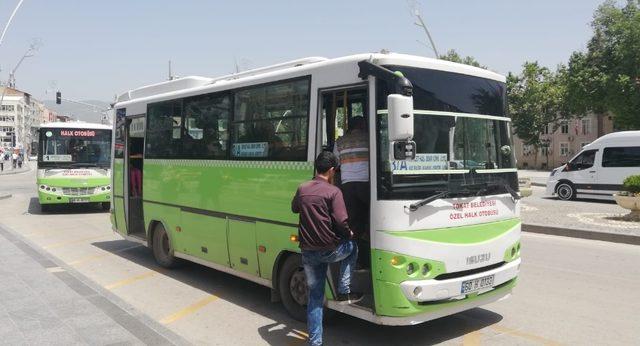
x,y
295,165
470,234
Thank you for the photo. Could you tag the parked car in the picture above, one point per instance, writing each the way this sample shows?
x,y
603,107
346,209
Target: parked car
x,y
598,170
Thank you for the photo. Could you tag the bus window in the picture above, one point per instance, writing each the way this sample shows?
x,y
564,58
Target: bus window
x,y
271,122
206,126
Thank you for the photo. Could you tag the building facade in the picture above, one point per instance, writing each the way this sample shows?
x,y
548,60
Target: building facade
x,y
20,117
561,142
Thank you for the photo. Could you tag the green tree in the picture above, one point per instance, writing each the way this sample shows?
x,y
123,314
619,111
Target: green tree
x,y
607,76
453,56
536,101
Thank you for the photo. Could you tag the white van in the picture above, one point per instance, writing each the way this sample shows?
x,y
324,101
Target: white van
x,y
599,169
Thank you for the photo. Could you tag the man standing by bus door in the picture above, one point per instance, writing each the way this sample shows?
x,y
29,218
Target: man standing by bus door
x,y
353,151
325,238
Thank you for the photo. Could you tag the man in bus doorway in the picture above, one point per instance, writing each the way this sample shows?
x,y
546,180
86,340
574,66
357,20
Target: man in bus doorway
x,y
325,238
353,151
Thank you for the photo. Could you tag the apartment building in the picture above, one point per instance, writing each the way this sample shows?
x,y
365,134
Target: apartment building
x,y
20,117
561,142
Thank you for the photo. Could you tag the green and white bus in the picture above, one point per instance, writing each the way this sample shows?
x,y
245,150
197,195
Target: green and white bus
x,y
205,170
74,164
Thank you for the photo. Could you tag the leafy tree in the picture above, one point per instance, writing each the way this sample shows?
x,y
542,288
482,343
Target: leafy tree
x,y
535,101
607,76
453,56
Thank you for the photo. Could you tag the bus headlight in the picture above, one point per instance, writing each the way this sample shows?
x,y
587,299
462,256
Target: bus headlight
x,y
411,268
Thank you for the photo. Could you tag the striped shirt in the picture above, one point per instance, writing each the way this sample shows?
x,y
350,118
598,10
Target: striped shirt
x,y
353,151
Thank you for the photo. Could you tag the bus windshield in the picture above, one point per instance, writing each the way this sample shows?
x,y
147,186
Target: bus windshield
x,y
74,148
463,139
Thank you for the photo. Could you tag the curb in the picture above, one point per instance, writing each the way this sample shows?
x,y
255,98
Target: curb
x,y
14,172
582,234
538,184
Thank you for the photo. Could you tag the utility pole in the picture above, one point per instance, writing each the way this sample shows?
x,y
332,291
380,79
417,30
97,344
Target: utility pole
x,y
416,12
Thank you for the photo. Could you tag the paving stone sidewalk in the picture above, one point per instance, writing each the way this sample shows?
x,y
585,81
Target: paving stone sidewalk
x,y
43,304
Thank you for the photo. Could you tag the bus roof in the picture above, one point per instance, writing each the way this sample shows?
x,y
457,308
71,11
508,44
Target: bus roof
x,y
274,72
75,125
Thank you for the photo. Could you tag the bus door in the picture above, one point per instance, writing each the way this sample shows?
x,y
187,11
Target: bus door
x,y
134,162
337,107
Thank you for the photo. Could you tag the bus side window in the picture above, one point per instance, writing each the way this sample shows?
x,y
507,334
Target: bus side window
x,y
164,122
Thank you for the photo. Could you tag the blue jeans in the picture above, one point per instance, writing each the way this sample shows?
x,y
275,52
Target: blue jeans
x,y
315,268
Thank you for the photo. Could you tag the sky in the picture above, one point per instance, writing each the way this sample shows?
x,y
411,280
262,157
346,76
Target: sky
x,y
93,50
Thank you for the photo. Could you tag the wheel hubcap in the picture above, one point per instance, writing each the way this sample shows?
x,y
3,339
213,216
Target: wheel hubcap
x,y
298,287
564,191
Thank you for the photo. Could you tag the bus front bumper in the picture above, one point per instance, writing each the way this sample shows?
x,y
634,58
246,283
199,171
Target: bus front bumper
x,y
51,198
460,287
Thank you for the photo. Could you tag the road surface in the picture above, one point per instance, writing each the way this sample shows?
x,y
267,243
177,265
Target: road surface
x,y
571,291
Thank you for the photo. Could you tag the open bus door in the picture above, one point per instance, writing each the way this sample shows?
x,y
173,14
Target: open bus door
x,y
338,106
133,168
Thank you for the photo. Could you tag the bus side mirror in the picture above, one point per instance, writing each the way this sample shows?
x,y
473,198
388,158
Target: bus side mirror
x,y
400,117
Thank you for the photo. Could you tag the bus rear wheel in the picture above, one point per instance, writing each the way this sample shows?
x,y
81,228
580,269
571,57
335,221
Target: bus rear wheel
x,y
162,249
292,285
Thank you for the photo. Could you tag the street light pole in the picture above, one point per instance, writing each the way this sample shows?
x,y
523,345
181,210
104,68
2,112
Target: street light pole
x,y
6,27
415,11
424,26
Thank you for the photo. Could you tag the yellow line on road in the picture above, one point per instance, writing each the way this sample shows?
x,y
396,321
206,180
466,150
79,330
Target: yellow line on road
x,y
130,280
188,310
99,256
525,335
471,339
87,259
69,242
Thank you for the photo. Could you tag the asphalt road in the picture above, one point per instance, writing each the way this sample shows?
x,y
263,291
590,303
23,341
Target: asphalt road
x,y
571,291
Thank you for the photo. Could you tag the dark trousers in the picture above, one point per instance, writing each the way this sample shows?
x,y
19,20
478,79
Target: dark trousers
x,y
357,198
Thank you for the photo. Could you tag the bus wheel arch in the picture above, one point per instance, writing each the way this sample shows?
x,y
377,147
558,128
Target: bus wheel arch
x,y
161,245
565,190
289,269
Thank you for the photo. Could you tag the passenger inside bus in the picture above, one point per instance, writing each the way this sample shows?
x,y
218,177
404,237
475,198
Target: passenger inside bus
x,y
352,150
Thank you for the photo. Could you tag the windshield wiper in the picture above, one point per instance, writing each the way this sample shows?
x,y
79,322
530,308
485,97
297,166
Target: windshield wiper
x,y
80,164
514,194
415,206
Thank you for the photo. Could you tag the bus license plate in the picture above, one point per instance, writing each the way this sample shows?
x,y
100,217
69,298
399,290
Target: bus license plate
x,y
476,284
78,200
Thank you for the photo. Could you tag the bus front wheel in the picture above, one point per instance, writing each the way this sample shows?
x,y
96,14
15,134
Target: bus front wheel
x,y
292,285
162,249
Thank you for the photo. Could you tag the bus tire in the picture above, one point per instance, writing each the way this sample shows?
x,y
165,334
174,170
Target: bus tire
x,y
162,248
292,286
566,191
105,206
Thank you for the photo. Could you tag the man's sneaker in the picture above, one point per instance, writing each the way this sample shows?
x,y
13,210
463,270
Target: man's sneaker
x,y
349,298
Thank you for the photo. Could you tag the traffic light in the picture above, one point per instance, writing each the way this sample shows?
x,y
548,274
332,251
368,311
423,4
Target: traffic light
x,y
58,97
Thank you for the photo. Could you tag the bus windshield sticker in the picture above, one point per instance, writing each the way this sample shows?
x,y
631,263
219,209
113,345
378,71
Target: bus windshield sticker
x,y
259,149
57,158
422,162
